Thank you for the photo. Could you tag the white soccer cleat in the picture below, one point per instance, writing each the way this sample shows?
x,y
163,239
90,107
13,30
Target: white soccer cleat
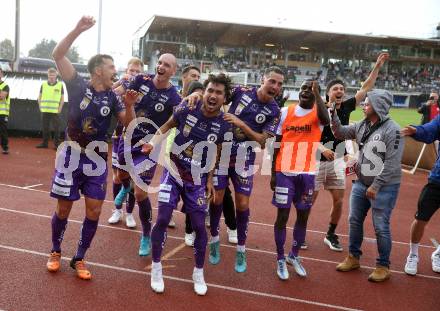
x,y
282,271
296,263
232,236
411,264
199,282
157,284
115,217
172,223
189,238
435,258
129,220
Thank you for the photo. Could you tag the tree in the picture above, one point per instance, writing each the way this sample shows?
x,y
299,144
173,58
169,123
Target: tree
x,y
44,49
6,49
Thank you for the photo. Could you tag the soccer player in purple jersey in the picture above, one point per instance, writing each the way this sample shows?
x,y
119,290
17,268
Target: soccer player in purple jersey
x,y
254,115
197,129
156,100
134,67
91,105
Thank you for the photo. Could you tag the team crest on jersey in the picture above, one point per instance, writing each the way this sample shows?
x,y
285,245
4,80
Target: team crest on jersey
x,y
105,110
159,107
376,137
87,126
260,118
212,138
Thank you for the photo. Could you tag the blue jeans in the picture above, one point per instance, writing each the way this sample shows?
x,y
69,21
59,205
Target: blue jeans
x,y
381,207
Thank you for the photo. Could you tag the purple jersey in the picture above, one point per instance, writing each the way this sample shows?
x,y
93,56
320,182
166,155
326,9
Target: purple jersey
x,y
89,111
193,127
154,104
260,117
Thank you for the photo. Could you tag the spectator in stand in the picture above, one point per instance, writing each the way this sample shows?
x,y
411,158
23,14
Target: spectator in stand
x,y
430,109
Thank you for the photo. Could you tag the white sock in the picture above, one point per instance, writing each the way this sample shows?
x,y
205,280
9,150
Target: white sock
x,y
198,270
241,248
156,265
414,249
215,239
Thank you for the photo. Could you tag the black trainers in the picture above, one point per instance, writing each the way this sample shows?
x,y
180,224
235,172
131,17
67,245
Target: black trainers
x,y
333,243
304,245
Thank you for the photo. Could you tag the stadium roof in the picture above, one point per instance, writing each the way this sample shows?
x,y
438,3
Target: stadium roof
x,y
232,34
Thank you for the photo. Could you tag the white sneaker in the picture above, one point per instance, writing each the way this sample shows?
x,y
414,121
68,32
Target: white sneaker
x,y
199,282
282,271
435,258
411,264
129,220
115,217
232,236
296,263
172,223
157,284
189,238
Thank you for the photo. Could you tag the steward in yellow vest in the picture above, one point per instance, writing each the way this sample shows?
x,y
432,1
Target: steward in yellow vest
x,y
50,102
4,113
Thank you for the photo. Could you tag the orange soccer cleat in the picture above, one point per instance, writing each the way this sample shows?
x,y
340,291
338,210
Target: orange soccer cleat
x,y
54,262
81,270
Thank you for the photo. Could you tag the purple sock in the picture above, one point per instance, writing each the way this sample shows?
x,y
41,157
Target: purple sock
x,y
159,232
215,213
58,229
201,240
116,189
299,236
145,216
88,231
129,204
242,226
280,240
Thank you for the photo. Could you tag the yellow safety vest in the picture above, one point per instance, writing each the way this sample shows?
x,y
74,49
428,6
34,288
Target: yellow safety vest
x,y
4,104
50,97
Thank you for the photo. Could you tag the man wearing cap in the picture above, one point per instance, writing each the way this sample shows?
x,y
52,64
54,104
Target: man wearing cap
x,y
379,174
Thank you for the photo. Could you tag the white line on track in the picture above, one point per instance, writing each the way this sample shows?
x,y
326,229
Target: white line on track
x,y
32,186
223,245
250,222
228,288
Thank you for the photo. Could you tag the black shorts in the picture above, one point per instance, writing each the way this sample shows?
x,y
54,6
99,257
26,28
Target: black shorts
x,y
429,202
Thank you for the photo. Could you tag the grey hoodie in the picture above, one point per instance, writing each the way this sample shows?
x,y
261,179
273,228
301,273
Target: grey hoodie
x,y
380,156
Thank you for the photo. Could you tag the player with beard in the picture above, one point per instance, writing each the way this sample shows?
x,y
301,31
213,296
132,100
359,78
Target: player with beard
x,y
91,105
156,100
199,127
331,172
294,169
254,115
134,67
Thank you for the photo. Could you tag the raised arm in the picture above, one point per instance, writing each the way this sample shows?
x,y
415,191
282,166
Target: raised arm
x,y
371,80
323,115
340,131
65,67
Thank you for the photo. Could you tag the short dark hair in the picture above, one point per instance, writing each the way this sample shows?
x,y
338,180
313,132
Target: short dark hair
x,y
96,61
334,82
275,69
220,78
188,68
